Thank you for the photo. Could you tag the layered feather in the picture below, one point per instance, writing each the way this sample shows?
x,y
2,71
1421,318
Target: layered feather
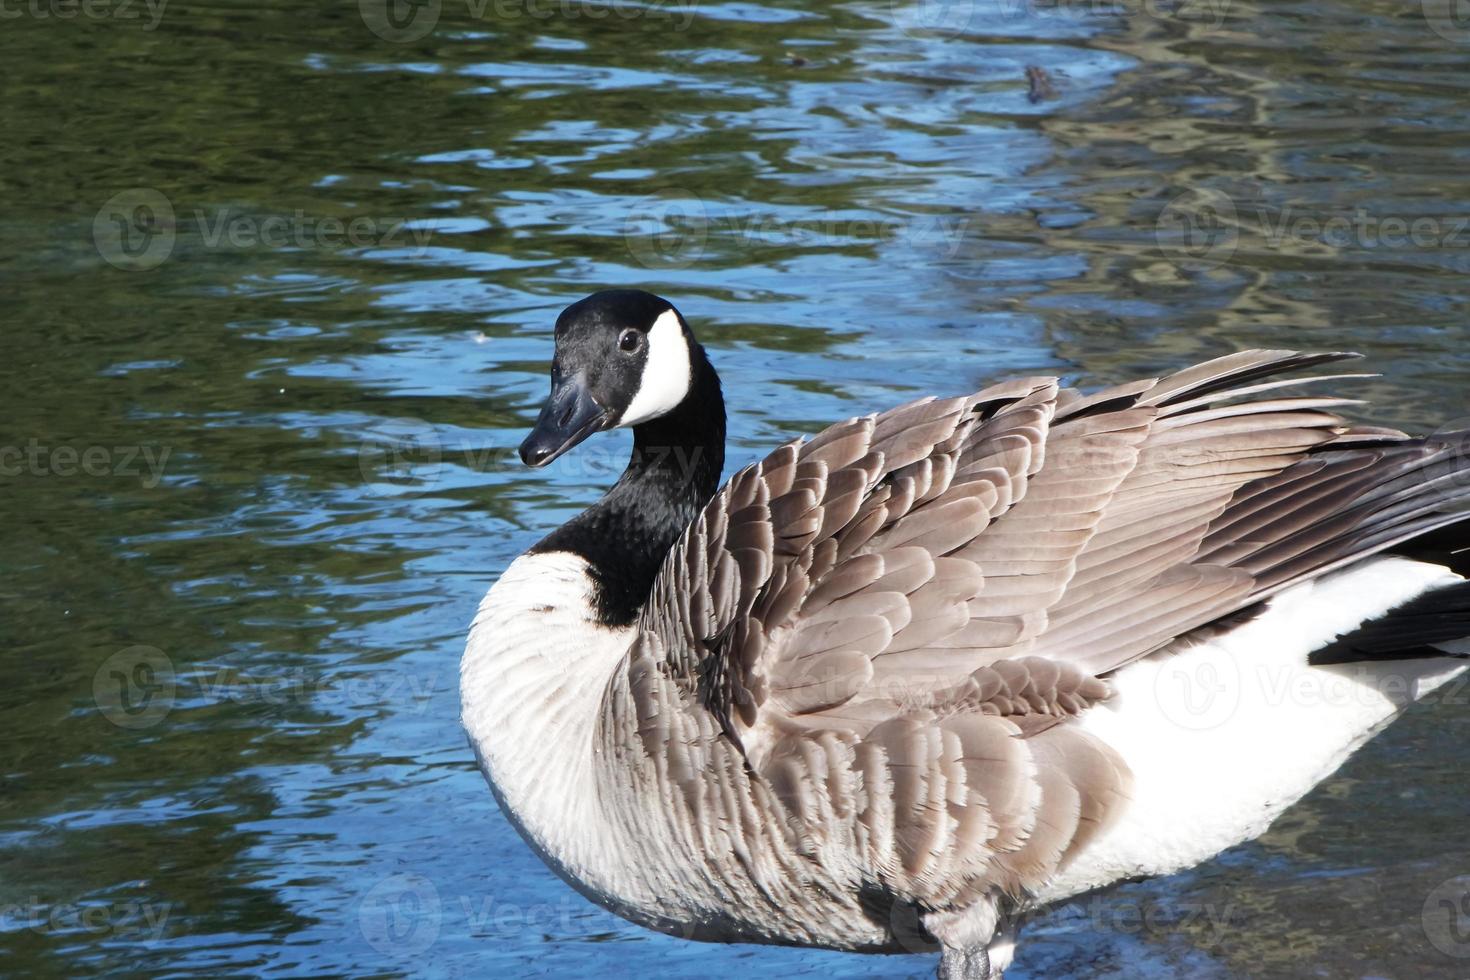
x,y
891,624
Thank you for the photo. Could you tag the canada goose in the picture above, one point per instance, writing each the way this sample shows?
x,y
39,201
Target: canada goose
x,y
931,669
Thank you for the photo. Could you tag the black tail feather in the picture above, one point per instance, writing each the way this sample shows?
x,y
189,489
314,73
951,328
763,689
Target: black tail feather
x,y
1407,632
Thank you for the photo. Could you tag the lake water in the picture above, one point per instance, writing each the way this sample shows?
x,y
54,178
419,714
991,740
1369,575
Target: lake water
x,y
278,286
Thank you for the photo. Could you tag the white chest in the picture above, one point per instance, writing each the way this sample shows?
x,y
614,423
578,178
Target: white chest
x,y
532,679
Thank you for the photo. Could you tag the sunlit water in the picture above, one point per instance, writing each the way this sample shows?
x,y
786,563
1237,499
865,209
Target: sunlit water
x,y
278,284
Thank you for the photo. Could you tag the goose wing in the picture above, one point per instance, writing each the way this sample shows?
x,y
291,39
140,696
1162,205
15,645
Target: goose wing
x,y
924,594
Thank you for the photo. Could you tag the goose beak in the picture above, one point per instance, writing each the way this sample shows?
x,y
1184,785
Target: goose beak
x,y
570,415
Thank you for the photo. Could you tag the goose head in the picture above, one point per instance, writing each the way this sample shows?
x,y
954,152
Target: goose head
x,y
624,357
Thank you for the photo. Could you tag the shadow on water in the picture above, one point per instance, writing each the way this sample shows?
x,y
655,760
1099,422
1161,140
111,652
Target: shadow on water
x,y
278,293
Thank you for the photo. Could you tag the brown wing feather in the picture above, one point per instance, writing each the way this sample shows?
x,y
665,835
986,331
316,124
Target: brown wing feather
x,y
911,605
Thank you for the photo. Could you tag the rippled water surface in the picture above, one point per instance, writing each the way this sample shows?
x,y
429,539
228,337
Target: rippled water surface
x,y
278,284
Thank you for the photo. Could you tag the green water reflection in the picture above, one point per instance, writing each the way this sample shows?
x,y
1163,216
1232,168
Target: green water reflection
x,y
277,294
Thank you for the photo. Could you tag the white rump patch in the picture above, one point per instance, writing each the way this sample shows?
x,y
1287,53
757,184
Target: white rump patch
x,y
666,375
1224,735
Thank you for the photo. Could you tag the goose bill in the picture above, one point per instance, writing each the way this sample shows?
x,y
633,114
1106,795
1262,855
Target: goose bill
x,y
570,415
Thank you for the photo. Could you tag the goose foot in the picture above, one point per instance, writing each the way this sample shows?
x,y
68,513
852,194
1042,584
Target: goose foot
x,y
966,963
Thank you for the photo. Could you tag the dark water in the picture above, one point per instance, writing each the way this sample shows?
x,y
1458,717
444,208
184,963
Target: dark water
x,y
277,294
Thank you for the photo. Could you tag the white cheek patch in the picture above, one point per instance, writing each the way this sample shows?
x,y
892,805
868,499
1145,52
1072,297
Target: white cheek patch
x,y
665,379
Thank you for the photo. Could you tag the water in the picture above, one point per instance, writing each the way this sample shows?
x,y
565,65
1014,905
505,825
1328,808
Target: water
x,y
278,295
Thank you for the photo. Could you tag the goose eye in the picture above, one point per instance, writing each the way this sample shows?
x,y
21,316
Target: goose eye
x,y
628,341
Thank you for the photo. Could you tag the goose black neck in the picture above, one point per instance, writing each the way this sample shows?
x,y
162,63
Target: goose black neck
x,y
673,472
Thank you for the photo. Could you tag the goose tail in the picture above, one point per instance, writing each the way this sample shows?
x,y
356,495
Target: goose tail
x,y
1430,626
